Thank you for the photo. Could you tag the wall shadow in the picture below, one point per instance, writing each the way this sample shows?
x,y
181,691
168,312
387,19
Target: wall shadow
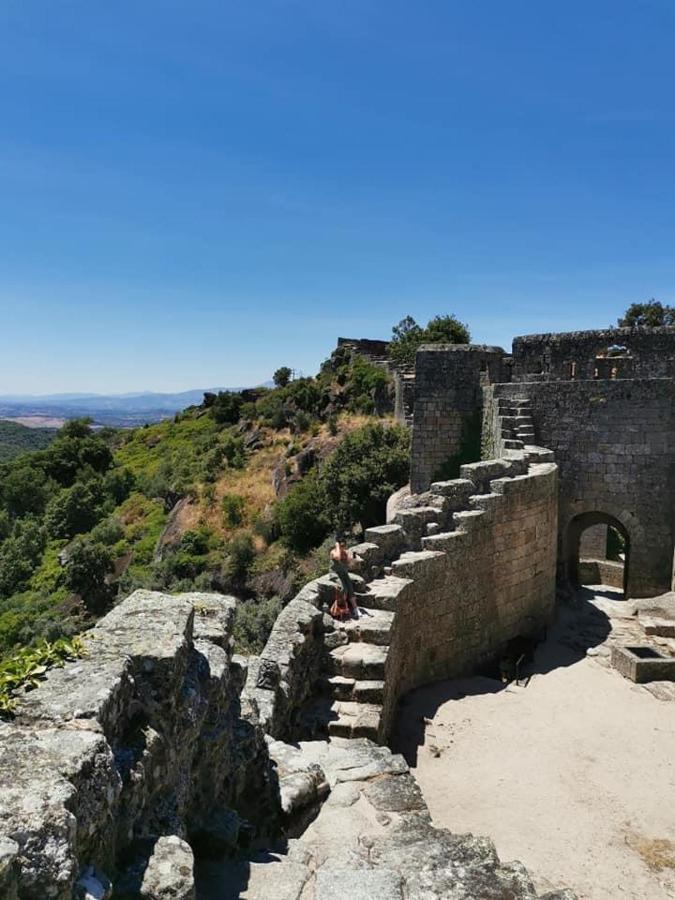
x,y
582,622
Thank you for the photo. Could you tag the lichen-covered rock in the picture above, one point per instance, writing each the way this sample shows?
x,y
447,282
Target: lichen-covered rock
x,y
142,736
166,874
373,839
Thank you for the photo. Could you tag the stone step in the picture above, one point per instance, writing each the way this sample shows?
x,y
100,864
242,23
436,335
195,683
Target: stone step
x,y
355,720
328,584
469,519
341,688
349,689
658,626
359,661
372,626
414,523
389,538
443,542
371,691
419,564
385,593
511,444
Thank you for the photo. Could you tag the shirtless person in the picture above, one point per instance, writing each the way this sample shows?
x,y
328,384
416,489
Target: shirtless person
x,y
340,558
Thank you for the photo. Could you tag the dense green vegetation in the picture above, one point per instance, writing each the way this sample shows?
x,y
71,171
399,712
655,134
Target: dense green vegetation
x,y
189,503
16,438
351,488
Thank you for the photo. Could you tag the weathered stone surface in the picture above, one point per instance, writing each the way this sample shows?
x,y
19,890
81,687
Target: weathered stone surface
x,y
362,884
395,794
41,772
168,873
213,617
373,839
140,737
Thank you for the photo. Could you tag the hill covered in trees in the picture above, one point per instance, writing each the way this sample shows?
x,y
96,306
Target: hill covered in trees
x,y
239,494
16,438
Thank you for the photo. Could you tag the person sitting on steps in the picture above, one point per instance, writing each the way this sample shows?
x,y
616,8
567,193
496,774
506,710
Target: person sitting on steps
x,y
340,560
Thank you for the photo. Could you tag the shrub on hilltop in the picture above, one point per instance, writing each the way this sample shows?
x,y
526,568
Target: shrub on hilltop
x,y
350,489
408,336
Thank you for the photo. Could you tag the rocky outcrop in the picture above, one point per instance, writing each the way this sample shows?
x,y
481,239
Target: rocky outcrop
x,y
140,739
373,837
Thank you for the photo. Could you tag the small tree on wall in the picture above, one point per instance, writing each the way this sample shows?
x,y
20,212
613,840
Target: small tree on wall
x,y
407,336
651,314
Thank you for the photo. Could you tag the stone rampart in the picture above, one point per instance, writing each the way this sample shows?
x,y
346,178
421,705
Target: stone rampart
x,y
149,740
614,442
477,584
586,355
447,407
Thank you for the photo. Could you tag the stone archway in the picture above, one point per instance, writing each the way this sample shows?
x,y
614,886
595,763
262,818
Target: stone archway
x,y
576,528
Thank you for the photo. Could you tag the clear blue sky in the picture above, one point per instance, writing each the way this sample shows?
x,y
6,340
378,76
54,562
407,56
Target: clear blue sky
x,y
194,193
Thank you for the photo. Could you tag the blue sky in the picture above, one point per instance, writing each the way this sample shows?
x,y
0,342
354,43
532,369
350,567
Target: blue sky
x,y
193,194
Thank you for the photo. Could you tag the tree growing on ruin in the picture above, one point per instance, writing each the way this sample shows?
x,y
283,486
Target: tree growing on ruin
x,y
408,336
651,314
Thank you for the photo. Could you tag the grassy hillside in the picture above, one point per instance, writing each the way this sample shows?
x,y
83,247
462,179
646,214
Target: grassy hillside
x,y
238,495
16,439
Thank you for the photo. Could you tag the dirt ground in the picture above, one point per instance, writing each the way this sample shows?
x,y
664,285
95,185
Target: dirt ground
x,y
573,774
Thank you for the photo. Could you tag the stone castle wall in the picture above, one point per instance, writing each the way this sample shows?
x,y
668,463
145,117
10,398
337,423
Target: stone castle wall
x,y
447,404
650,353
614,441
488,578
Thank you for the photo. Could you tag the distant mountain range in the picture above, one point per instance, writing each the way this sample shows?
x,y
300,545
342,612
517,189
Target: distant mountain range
x,y
105,409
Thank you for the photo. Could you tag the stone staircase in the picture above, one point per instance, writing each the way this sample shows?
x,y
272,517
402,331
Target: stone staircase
x,y
516,420
350,697
348,700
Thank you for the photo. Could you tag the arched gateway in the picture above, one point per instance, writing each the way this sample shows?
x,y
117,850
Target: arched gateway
x,y
577,570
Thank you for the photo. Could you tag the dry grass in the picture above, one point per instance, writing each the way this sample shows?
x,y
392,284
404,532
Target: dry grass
x,y
656,853
254,483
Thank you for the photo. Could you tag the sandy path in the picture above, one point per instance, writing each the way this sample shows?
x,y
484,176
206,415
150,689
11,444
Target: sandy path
x,y
573,775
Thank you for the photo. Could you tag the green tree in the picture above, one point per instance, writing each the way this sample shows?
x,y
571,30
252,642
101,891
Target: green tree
x,y
240,556
118,483
233,509
366,468
302,517
74,510
5,525
651,314
85,573
20,555
408,336
227,408
282,376
24,488
75,448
